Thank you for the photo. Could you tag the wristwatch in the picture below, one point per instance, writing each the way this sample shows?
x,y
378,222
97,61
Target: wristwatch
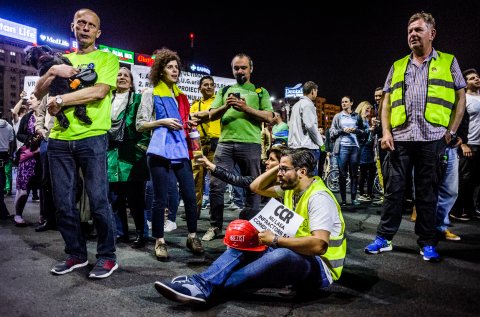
x,y
274,243
453,134
59,100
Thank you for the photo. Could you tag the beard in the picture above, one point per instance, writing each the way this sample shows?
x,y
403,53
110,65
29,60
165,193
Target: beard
x,y
241,79
286,185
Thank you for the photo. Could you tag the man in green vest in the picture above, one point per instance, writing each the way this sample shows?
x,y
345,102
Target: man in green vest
x,y
422,108
312,259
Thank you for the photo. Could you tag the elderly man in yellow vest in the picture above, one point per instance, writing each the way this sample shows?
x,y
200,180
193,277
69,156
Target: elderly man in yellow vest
x,y
312,259
422,108
209,132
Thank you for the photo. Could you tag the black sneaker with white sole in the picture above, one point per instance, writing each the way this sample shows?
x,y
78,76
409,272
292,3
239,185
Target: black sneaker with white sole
x,y
181,289
103,268
67,266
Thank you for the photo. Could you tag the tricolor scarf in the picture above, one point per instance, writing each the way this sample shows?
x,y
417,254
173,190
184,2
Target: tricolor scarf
x,y
170,144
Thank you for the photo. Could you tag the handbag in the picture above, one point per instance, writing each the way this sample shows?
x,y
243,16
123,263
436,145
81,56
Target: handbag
x,y
117,131
116,134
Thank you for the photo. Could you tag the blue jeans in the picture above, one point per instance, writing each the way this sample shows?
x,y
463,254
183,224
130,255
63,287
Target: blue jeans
x,y
447,190
278,267
316,154
89,154
348,163
160,169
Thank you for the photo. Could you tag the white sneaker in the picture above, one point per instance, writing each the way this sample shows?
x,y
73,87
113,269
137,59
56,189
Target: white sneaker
x,y
211,234
169,226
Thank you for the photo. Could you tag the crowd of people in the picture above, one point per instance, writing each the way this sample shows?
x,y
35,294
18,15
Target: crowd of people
x,y
422,130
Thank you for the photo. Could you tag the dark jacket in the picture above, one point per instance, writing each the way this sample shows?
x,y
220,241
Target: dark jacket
x,y
231,178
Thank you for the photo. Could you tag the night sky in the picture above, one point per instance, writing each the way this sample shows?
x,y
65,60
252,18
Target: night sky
x,y
346,50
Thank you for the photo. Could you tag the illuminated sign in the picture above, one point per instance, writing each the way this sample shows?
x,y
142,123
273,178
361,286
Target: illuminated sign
x,y
196,68
18,31
73,44
144,59
53,40
295,91
123,55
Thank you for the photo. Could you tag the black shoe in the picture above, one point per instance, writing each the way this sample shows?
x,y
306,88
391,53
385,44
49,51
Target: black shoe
x,y
139,242
47,225
343,203
6,216
462,217
125,238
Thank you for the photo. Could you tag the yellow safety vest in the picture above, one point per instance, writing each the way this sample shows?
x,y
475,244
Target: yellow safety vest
x,y
337,246
440,91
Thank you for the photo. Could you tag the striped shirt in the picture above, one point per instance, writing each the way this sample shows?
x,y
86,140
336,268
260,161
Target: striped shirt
x,y
416,128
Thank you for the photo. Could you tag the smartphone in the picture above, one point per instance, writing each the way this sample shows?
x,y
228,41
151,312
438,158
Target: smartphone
x,y
235,94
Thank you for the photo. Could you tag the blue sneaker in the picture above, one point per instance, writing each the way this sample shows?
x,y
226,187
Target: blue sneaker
x,y
430,254
379,245
356,202
181,289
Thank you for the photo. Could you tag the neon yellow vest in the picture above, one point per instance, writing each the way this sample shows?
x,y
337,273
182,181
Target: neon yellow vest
x,y
337,246
440,91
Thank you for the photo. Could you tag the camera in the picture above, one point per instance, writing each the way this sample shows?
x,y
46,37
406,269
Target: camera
x,y
235,94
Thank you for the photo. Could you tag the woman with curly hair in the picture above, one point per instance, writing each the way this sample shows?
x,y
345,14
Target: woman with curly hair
x,y
165,110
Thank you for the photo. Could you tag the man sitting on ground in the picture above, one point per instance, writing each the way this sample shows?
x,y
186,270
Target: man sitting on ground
x,y
313,258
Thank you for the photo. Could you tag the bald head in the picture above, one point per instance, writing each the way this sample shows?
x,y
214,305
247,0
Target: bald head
x,y
83,11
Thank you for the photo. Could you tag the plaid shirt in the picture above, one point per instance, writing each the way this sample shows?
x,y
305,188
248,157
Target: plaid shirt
x,y
416,128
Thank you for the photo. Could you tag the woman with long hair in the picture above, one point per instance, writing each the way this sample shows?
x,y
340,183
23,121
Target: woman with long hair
x,y
346,132
165,110
367,159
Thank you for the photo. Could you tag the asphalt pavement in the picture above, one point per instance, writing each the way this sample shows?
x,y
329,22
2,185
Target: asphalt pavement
x,y
397,283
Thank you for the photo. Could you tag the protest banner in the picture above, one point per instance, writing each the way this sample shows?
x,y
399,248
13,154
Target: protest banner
x,y
278,219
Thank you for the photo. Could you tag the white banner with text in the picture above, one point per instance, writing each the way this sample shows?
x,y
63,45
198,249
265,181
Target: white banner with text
x,y
278,219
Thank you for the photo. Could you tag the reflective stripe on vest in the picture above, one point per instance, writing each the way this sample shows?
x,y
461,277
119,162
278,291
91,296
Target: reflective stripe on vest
x,y
337,246
440,91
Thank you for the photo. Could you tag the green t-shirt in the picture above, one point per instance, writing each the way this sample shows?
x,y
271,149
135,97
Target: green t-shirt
x,y
106,65
280,128
236,125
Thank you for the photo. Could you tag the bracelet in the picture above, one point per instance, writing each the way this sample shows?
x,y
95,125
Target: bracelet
x,y
275,241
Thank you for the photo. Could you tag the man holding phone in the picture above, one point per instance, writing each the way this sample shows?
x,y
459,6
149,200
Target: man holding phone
x,y
242,108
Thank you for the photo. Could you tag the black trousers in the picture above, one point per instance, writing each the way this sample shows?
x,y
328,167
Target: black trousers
x,y
468,180
3,208
425,158
134,194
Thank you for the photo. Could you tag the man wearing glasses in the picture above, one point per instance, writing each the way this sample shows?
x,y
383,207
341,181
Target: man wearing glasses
x,y
312,259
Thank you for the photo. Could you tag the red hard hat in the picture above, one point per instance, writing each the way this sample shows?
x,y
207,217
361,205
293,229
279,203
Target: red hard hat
x,y
242,235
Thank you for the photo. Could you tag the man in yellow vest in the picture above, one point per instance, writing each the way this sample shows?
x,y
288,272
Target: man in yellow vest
x,y
312,259
209,132
422,108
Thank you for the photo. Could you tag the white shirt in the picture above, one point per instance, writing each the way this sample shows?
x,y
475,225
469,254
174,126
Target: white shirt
x,y
473,109
119,104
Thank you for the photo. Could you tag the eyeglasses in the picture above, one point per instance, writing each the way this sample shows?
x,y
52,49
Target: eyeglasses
x,y
283,170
